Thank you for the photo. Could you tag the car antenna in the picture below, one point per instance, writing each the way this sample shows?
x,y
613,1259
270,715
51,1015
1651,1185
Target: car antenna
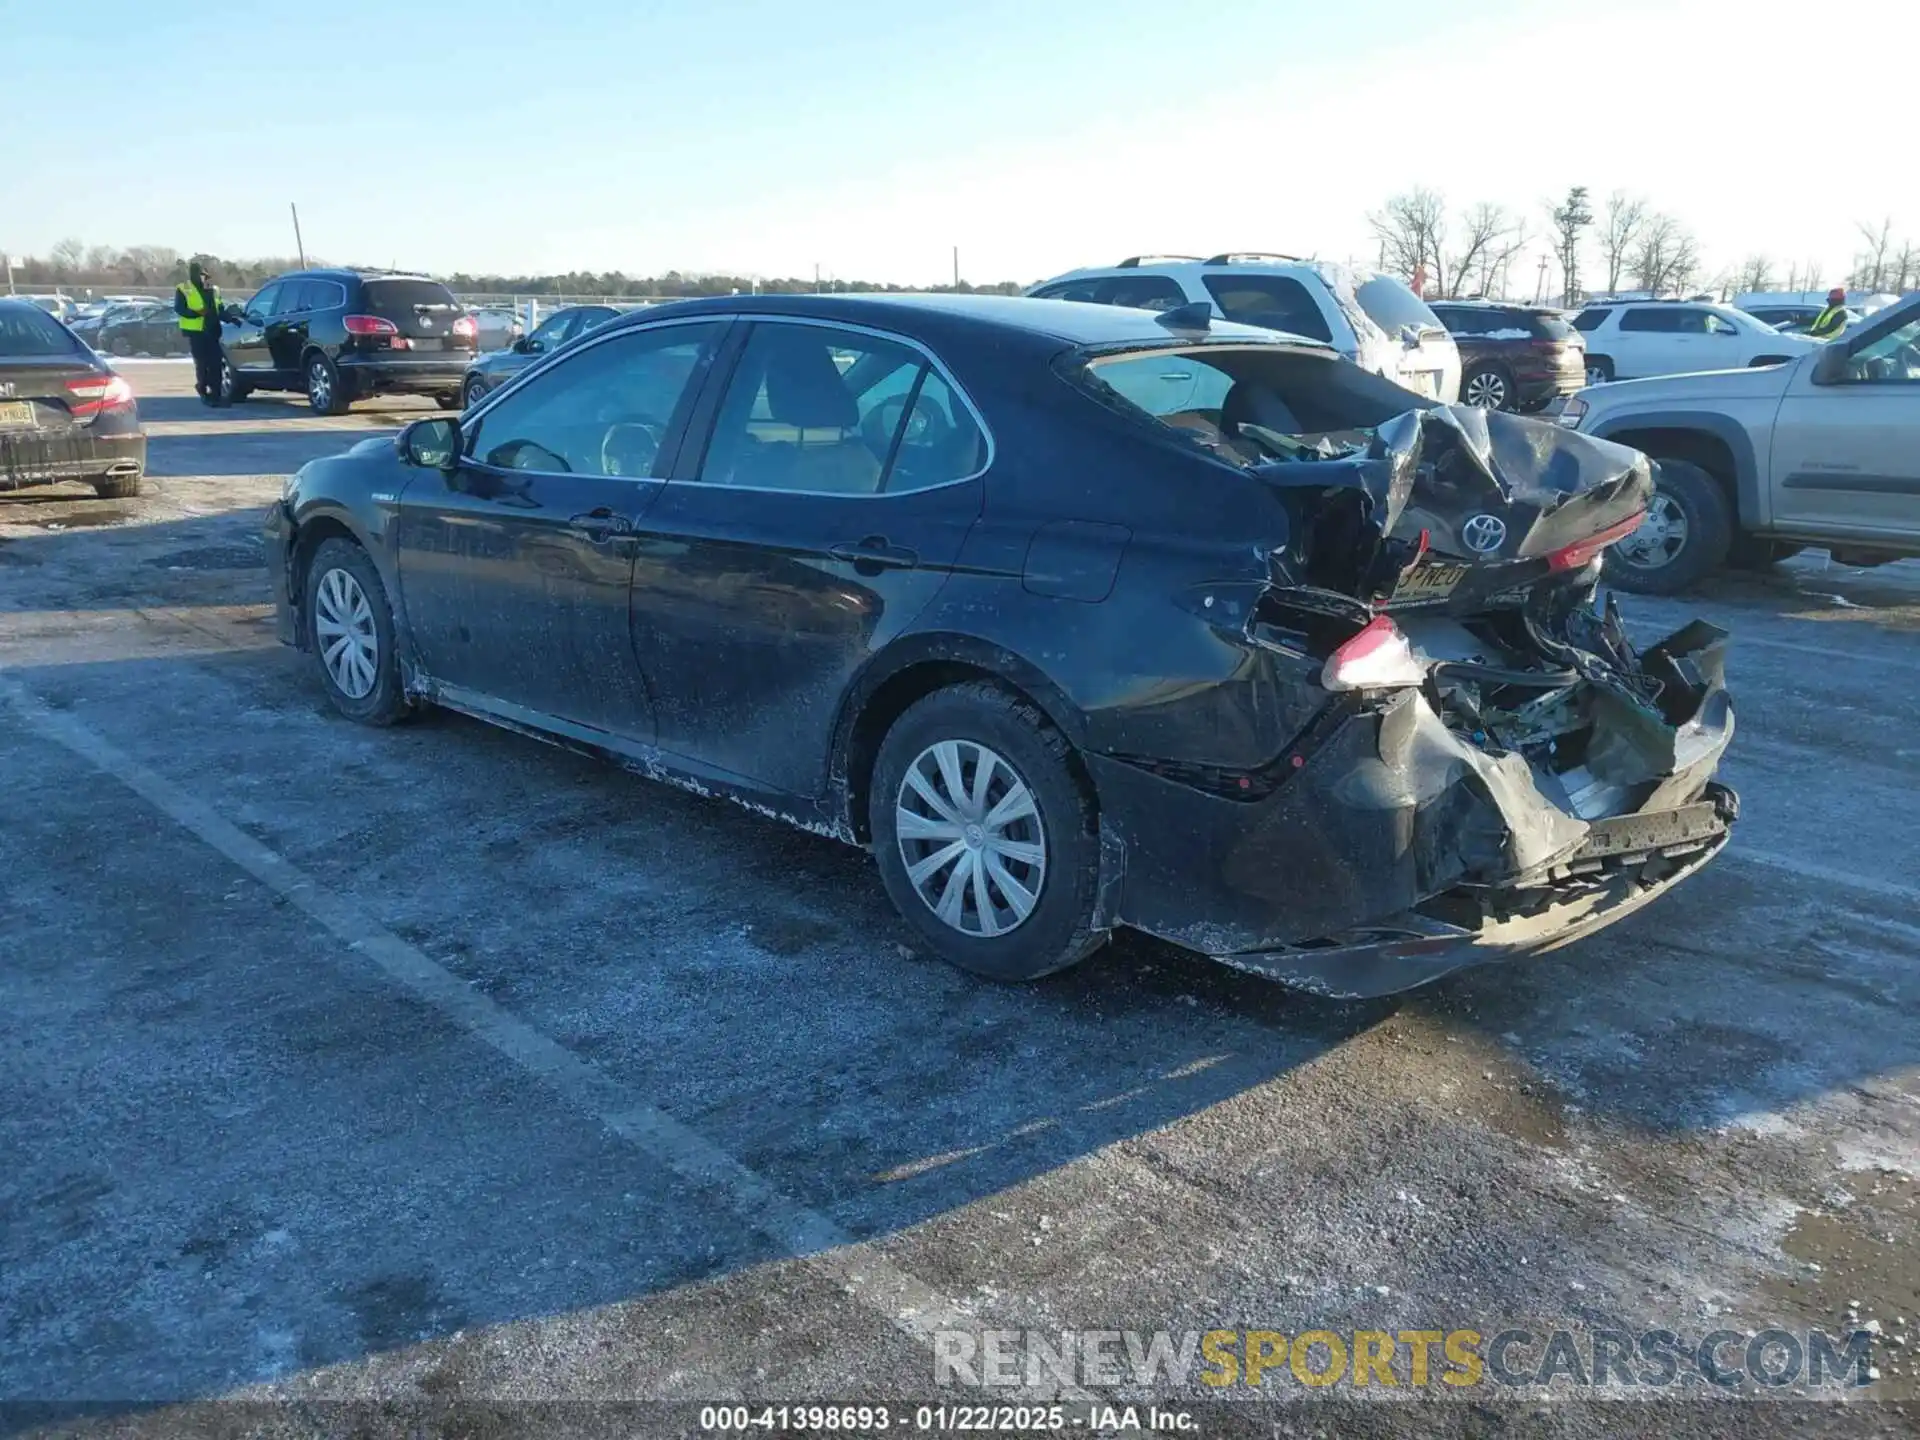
x,y
1197,315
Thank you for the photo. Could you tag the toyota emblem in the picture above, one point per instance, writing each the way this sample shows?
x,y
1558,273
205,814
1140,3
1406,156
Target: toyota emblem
x,y
1484,534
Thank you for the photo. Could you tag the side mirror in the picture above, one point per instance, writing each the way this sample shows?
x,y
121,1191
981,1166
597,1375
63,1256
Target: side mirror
x,y
1830,366
432,444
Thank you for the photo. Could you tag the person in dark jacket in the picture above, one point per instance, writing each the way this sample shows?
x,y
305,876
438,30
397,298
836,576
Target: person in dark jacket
x,y
196,301
1832,320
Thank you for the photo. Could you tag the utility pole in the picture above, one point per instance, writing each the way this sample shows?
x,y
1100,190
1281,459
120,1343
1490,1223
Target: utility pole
x,y
1540,286
298,244
816,277
956,267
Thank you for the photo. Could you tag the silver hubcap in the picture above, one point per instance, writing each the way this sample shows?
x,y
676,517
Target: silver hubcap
x,y
1486,390
226,380
971,838
319,387
1660,537
343,626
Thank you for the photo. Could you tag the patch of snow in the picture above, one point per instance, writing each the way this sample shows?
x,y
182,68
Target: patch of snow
x,y
1508,334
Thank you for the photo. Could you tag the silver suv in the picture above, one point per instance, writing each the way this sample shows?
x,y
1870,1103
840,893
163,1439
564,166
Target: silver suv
x,y
1755,464
1371,319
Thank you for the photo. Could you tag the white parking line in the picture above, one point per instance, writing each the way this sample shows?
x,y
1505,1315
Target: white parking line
x,y
902,1300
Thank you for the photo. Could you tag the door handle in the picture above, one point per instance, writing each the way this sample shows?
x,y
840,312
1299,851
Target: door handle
x,y
601,525
874,554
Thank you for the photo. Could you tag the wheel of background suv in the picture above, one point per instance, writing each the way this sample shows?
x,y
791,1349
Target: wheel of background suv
x,y
350,629
986,842
1685,536
448,401
1488,387
117,346
472,391
326,394
1599,370
117,487
232,388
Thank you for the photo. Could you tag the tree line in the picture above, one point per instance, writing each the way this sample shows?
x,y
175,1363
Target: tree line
x,y
74,265
1634,246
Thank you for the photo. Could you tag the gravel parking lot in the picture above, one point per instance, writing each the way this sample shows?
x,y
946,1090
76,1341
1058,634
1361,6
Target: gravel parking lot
x,y
434,1063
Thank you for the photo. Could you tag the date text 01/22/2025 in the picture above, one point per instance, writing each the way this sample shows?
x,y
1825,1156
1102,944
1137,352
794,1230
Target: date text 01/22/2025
x,y
942,1419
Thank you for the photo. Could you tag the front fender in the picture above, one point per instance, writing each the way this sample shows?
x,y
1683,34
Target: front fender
x,y
1749,494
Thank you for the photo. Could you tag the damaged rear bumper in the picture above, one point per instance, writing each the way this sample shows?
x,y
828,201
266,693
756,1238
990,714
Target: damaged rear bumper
x,y
1387,849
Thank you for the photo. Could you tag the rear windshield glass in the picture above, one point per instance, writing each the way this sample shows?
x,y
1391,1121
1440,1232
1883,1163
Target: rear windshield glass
x,y
26,331
1249,404
398,300
1511,325
1391,305
1550,327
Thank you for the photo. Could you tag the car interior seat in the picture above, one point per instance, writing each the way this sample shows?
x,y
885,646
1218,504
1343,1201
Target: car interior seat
x,y
805,396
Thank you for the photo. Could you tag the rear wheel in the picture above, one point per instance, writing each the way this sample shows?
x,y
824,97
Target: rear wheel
x,y
987,844
117,487
350,631
117,346
326,393
1488,387
1685,535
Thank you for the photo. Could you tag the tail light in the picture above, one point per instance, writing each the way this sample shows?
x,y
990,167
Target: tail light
x,y
1378,658
466,327
369,325
96,394
1573,556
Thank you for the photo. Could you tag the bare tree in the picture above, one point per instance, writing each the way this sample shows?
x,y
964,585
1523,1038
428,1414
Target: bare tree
x,y
1666,256
1494,235
1905,268
1870,270
1570,218
1412,229
67,256
1755,273
1627,216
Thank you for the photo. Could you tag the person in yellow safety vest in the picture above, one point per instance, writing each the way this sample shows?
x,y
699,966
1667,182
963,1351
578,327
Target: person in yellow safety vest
x,y
196,301
1832,320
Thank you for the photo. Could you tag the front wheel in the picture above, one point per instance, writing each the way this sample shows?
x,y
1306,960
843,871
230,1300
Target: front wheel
x,y
987,843
1487,387
1685,535
326,394
232,388
472,392
350,631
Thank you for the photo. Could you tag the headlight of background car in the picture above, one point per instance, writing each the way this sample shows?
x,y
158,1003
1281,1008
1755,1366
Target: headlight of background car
x,y
1573,412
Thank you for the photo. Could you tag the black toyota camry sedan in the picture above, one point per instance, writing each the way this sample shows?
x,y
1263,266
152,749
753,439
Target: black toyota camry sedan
x,y
1077,617
64,413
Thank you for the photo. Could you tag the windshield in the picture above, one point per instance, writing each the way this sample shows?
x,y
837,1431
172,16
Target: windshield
x,y
26,331
1392,306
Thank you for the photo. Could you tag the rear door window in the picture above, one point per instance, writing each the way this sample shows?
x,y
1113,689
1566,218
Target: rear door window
x,y
1462,322
1082,290
1274,301
28,331
1652,319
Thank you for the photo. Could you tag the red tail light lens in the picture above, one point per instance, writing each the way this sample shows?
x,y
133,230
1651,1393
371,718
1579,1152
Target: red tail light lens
x,y
1378,658
94,394
1581,551
466,327
369,325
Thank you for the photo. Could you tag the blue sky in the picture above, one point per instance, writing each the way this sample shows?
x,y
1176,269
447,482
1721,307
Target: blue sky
x,y
871,137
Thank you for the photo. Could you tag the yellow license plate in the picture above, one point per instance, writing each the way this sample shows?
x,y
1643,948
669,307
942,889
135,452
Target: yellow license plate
x,y
1429,582
16,412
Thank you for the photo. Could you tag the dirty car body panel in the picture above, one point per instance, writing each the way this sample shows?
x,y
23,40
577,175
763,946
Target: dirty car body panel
x,y
1332,672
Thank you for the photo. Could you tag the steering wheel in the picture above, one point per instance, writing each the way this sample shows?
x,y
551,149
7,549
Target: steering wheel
x,y
928,429
630,447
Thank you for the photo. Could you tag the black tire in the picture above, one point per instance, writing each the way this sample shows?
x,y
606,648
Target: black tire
x,y
472,392
118,487
1058,930
232,388
385,701
1703,505
117,346
1494,383
326,390
1600,366
447,402
1757,552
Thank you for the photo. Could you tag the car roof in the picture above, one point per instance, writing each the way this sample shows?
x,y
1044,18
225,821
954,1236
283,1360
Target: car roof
x,y
1072,322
